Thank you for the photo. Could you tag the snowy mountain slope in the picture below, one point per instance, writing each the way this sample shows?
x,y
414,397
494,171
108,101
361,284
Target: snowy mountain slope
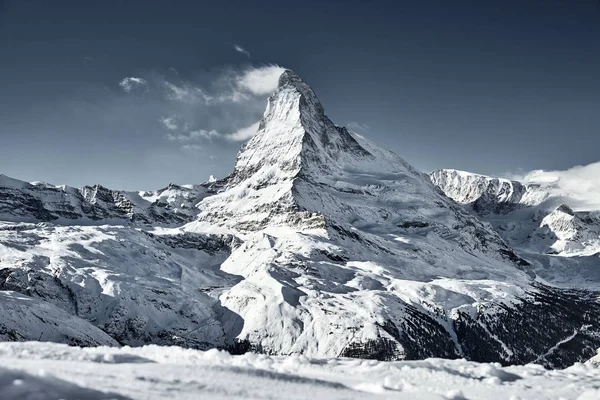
x,y
562,245
23,318
30,202
496,195
56,371
576,233
180,199
302,171
137,287
595,361
319,243
350,251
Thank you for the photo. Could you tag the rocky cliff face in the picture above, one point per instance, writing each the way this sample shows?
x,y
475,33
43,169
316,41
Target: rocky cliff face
x,y
318,243
486,195
301,171
575,233
26,202
350,251
561,244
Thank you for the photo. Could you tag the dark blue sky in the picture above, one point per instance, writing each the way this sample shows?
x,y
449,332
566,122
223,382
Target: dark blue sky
x,y
488,86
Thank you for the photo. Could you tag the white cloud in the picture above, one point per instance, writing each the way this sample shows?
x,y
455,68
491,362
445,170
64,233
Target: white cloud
x,y
186,93
170,123
581,183
128,84
261,80
232,96
203,134
232,86
243,134
357,126
195,135
192,147
209,108
240,49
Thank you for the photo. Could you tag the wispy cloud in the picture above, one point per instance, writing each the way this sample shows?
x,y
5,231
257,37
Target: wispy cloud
x,y
356,126
580,183
260,81
240,49
192,148
243,134
170,123
194,135
186,93
130,83
210,110
239,135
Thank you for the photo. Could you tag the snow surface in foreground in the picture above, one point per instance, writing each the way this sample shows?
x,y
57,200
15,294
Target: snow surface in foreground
x,y
36,370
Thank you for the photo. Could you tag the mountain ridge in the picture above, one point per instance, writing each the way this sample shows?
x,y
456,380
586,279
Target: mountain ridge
x,y
318,243
22,201
562,244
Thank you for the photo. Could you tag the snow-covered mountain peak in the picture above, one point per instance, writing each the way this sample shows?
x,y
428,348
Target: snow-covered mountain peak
x,y
319,243
294,134
574,233
289,80
38,201
486,194
8,182
301,171
565,209
295,142
538,219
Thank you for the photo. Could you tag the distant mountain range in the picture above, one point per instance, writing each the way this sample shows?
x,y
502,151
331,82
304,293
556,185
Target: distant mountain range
x,y
318,243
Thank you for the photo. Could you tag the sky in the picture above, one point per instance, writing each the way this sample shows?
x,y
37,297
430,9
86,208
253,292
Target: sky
x,y
137,94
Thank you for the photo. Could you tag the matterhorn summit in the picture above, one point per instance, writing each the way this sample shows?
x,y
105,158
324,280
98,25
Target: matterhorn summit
x,y
318,243
332,225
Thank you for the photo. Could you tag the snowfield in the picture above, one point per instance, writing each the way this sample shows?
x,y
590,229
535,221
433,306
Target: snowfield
x,y
34,370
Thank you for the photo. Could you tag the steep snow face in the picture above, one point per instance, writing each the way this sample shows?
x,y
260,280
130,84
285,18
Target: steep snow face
x,y
136,286
302,171
496,195
23,318
488,194
294,140
346,246
576,234
30,202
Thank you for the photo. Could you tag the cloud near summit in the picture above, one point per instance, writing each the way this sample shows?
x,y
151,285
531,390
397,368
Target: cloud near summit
x,y
130,83
240,49
580,183
226,107
260,81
